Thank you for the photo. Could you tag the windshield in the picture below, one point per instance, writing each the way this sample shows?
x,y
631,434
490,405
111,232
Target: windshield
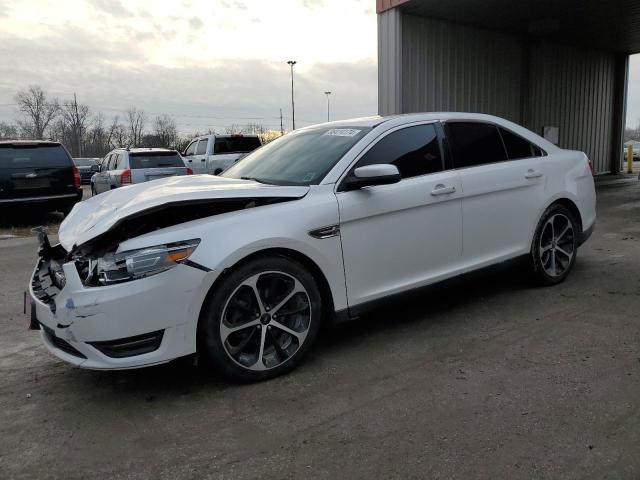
x,y
41,156
299,158
235,144
155,160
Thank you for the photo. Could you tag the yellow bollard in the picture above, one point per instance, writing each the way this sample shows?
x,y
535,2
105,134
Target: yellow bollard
x,y
629,158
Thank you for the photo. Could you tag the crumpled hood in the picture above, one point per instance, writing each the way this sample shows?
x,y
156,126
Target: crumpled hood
x,y
98,214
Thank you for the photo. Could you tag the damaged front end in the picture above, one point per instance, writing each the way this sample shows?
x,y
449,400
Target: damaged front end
x,y
100,305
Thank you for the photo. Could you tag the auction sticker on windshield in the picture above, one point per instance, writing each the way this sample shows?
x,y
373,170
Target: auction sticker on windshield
x,y
342,132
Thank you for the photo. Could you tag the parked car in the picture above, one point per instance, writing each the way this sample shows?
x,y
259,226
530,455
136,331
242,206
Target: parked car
x,y
38,174
320,225
87,167
215,153
124,166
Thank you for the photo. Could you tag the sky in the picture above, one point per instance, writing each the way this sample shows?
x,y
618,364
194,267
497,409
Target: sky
x,y
208,63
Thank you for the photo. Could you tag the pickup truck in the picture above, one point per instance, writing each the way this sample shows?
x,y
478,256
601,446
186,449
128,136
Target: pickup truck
x,y
39,174
215,153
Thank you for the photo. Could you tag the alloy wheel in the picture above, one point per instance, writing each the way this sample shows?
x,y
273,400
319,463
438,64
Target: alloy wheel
x,y
265,320
557,245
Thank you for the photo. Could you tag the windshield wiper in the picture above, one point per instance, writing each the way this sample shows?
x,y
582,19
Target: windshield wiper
x,y
255,180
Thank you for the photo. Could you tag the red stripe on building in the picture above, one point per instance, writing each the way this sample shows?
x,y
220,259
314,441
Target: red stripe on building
x,y
383,5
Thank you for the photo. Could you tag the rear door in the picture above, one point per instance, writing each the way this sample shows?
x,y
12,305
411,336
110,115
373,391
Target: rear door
x,y
229,149
503,190
35,170
100,179
397,237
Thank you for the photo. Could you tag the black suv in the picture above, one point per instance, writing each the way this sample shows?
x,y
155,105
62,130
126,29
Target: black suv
x,y
38,173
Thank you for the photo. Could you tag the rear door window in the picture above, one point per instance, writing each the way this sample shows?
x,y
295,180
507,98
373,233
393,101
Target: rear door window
x,y
517,147
202,147
474,143
155,160
235,144
32,156
414,150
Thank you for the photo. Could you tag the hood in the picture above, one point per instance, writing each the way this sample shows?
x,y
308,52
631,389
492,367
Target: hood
x,y
98,214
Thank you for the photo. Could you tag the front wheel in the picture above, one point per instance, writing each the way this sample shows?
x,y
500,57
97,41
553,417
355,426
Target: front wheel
x,y
261,321
555,245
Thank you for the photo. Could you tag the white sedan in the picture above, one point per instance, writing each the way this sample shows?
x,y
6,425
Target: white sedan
x,y
317,226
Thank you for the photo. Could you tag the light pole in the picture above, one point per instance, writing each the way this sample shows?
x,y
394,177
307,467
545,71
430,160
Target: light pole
x,y
293,105
328,105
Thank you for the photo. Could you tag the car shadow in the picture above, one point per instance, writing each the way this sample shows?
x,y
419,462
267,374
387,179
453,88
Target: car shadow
x,y
182,377
20,221
428,303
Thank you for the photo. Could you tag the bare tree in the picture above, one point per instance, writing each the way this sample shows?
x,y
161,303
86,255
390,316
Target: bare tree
x,y
117,134
165,131
136,121
8,131
39,111
75,117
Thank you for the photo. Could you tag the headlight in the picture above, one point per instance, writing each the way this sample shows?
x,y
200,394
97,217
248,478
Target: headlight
x,y
134,264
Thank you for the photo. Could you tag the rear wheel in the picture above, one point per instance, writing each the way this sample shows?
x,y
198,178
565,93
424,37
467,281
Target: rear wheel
x,y
555,245
93,190
261,321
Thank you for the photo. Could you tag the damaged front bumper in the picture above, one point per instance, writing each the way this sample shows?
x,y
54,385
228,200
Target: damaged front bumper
x,y
127,325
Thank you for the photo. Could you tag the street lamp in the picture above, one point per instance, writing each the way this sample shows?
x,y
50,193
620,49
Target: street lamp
x,y
328,105
291,63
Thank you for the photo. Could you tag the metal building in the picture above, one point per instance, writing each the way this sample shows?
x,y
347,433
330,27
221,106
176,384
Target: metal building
x,y
560,64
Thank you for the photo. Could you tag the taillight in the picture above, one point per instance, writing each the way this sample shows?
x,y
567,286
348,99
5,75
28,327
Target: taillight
x,y
590,167
189,171
125,177
77,180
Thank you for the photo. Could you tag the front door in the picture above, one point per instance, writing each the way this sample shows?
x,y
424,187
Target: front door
x,y
405,235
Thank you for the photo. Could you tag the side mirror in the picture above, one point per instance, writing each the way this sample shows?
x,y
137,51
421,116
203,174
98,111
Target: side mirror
x,y
370,175
95,168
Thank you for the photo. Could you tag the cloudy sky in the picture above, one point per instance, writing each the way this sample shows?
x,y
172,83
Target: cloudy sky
x,y
209,63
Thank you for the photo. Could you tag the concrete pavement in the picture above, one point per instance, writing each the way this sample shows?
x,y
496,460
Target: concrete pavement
x,y
484,377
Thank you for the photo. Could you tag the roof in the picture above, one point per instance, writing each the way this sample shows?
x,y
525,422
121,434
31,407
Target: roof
x,y
146,150
28,142
370,122
612,25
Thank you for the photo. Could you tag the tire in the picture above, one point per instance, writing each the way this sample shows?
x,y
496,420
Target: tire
x,y
555,245
218,171
66,211
282,285
93,190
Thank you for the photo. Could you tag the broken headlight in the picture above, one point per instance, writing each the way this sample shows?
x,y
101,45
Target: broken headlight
x,y
134,264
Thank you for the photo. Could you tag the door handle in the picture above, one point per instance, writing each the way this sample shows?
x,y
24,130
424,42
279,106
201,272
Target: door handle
x,y
533,174
442,190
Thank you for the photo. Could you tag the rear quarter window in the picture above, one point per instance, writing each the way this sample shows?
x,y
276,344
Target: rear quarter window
x,y
235,144
42,156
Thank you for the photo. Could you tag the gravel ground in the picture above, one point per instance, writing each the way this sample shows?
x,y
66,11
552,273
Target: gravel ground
x,y
483,377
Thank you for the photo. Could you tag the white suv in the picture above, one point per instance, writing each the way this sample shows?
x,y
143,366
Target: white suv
x,y
215,153
319,225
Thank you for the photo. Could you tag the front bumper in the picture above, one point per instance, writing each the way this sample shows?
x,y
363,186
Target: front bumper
x,y
108,327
